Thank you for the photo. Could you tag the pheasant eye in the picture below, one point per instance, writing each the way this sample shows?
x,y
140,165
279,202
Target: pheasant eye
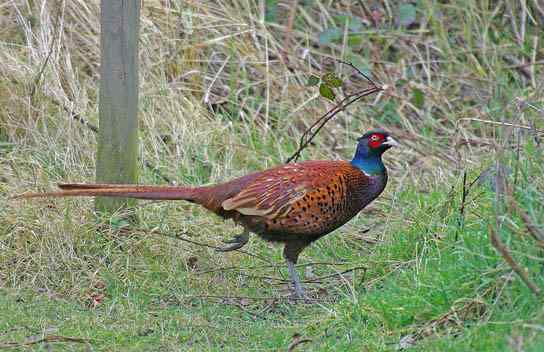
x,y
375,140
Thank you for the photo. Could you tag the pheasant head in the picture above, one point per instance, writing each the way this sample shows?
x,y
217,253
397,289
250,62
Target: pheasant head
x,y
371,146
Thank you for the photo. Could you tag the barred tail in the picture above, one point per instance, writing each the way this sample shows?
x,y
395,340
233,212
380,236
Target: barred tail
x,y
124,191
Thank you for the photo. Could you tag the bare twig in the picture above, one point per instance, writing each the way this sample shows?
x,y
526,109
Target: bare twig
x,y
503,124
521,67
238,268
310,133
185,239
80,119
317,279
462,207
253,298
360,72
156,171
527,64
505,253
38,77
451,317
533,229
288,31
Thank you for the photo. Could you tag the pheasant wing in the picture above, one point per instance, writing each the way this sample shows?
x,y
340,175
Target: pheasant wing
x,y
273,192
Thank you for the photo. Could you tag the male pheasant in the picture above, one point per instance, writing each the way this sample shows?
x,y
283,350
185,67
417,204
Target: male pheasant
x,y
294,203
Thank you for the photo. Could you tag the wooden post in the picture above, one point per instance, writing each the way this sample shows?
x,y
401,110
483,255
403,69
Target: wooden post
x,y
117,154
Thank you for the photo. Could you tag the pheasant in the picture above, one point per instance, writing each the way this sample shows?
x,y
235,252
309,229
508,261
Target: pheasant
x,y
294,203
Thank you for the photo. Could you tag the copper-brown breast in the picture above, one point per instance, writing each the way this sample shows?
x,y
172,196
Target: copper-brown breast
x,y
303,200
322,209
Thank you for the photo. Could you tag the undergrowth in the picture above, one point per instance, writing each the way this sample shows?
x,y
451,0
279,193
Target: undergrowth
x,y
223,92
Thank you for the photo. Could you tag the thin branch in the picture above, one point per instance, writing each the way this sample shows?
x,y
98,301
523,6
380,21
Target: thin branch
x,y
254,315
80,119
255,298
288,31
239,268
501,248
463,202
201,244
317,279
533,229
503,124
38,77
310,133
358,71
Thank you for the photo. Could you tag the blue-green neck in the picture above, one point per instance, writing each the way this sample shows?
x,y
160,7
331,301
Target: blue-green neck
x,y
371,165
368,161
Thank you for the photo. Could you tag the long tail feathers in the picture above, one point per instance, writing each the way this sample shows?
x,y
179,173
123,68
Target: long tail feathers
x,y
115,190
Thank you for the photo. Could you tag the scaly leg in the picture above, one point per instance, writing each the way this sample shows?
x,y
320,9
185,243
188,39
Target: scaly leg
x,y
299,291
237,242
290,252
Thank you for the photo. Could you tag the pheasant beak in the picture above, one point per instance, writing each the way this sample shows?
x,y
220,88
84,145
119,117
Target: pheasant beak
x,y
391,142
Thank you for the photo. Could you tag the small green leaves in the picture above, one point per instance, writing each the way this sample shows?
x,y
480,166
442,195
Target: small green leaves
x,y
327,83
312,81
326,91
331,80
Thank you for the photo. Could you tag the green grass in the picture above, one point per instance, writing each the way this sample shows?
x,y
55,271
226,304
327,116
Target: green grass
x,y
419,273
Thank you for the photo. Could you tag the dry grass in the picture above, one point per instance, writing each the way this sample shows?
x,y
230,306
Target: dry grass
x,y
221,95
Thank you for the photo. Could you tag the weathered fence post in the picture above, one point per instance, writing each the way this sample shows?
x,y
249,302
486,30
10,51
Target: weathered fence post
x,y
117,154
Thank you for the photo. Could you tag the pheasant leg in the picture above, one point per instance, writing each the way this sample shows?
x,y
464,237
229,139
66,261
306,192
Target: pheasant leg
x,y
299,291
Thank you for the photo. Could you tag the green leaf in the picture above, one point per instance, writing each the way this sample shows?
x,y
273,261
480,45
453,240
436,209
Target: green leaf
x,y
312,81
418,98
331,80
407,14
330,35
326,91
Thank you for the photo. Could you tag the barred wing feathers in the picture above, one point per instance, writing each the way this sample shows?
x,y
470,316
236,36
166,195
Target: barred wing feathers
x,y
273,192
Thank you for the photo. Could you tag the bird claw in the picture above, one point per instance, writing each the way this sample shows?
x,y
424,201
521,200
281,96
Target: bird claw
x,y
237,242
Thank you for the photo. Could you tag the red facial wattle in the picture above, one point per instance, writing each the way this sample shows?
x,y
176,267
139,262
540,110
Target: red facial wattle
x,y
376,140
